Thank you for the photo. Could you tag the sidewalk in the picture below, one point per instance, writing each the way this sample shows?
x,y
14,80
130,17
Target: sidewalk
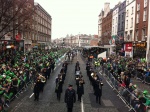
x,y
140,85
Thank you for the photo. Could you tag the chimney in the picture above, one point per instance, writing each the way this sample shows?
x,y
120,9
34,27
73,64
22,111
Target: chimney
x,y
106,8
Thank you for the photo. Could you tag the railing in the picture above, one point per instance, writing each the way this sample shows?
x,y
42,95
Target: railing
x,y
129,98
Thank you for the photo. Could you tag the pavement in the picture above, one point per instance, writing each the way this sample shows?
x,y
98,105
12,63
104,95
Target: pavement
x,y
48,102
142,86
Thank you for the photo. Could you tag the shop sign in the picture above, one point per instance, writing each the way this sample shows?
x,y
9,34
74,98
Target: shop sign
x,y
128,47
142,44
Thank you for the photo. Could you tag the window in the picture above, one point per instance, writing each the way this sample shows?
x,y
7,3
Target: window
x,y
131,22
116,29
116,19
137,18
132,10
143,33
126,24
136,35
138,7
113,21
127,13
119,27
122,26
145,3
131,34
145,15
127,2
122,16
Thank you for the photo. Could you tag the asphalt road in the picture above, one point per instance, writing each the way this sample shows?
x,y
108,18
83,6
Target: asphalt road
x,y
48,101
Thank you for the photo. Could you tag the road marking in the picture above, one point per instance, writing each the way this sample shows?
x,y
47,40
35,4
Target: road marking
x,y
82,106
100,73
109,84
31,95
108,103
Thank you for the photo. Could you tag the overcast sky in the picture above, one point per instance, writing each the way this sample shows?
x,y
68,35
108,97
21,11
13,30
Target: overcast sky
x,y
74,16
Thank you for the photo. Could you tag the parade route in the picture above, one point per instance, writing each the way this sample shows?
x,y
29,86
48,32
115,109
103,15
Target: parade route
x,y
48,101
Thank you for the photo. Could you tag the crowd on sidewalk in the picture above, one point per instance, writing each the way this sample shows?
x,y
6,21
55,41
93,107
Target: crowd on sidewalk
x,y
123,69
17,71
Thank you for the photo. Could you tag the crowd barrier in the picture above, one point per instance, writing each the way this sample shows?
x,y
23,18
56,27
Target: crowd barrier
x,y
123,93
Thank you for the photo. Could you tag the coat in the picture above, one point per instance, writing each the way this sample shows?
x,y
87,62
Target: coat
x,y
70,97
80,89
36,88
98,91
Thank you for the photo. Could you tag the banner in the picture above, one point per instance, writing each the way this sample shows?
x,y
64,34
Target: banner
x,y
102,55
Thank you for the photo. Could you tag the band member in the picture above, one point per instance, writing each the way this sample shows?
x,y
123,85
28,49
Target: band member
x,y
36,90
80,89
58,88
98,92
70,97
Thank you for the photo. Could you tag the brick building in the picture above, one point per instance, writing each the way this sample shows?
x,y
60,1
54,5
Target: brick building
x,y
141,23
106,28
141,28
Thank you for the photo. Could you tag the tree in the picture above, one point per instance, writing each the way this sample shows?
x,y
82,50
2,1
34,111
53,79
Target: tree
x,y
15,15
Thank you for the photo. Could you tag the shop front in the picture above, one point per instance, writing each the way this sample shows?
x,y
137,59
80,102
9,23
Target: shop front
x,y
139,49
128,47
35,46
28,45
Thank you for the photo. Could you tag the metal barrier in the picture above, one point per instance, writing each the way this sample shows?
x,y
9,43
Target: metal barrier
x,y
129,98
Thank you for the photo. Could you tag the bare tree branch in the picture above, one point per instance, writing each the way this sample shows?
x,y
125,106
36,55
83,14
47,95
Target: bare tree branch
x,y
13,13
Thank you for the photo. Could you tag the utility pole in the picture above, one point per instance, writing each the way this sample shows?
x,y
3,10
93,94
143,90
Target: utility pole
x,y
148,40
79,39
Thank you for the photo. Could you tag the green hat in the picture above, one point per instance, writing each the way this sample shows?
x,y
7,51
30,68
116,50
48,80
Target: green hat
x,y
145,92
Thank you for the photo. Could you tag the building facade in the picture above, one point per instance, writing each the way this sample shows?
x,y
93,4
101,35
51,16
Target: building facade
x,y
141,28
100,24
102,14
42,25
129,27
130,20
121,28
107,28
19,24
115,21
121,19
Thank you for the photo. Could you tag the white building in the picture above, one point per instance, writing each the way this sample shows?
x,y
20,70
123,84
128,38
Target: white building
x,y
130,20
100,24
115,20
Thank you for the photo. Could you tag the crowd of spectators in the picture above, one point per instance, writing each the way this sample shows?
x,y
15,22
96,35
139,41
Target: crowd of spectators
x,y
124,69
17,71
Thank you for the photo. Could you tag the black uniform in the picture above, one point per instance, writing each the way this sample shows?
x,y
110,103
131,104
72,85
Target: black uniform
x,y
70,98
58,88
36,90
98,94
80,91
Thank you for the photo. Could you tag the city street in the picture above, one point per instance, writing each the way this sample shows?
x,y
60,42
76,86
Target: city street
x,y
48,101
